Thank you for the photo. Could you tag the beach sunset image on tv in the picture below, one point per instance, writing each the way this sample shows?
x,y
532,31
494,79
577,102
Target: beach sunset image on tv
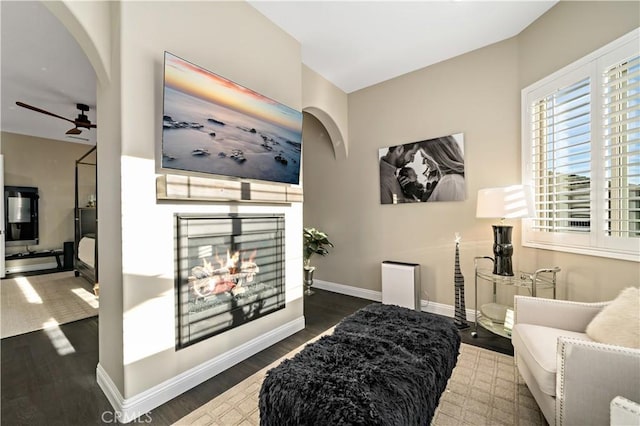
x,y
213,125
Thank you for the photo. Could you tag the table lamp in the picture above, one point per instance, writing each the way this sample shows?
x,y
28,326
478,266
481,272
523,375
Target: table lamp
x,y
508,202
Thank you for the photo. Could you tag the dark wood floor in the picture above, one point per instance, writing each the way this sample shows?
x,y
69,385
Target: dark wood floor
x,y
41,387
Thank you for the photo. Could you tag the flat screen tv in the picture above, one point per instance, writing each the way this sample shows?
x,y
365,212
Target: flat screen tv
x,y
21,215
215,126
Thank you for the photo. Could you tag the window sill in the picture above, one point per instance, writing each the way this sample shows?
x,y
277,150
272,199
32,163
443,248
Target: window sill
x,y
587,251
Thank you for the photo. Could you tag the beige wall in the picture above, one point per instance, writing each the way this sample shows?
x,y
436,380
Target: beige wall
x,y
566,33
329,105
569,31
261,57
109,99
477,94
343,197
48,165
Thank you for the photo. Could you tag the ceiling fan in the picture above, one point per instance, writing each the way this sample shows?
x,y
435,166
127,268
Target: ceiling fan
x,y
81,120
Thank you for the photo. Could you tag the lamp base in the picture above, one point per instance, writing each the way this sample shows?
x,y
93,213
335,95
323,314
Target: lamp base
x,y
502,250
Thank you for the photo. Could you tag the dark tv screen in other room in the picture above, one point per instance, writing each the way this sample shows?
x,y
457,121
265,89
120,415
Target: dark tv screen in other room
x,y
215,126
21,215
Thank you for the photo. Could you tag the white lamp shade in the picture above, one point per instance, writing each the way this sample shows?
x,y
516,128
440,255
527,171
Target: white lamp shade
x,y
509,202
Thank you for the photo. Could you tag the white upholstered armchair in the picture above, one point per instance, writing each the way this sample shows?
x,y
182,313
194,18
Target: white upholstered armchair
x,y
573,378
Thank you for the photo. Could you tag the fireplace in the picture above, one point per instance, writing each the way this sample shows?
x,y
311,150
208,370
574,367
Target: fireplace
x,y
230,270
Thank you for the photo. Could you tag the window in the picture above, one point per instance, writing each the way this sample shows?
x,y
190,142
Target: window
x,y
581,154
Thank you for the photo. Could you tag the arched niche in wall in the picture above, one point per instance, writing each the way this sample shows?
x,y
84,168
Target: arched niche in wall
x,y
335,135
88,23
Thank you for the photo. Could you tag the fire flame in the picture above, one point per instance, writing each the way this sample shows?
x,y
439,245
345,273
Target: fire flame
x,y
230,263
207,280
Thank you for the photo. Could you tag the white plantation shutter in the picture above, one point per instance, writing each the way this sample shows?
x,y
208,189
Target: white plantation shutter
x,y
621,136
581,154
561,159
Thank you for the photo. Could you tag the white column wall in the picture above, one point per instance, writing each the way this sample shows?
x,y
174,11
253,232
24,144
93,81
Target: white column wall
x,y
233,40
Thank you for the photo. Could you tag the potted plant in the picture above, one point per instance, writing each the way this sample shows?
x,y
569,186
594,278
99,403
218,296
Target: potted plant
x,y
315,242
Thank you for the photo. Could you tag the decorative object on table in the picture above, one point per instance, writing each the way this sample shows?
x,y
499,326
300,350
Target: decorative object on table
x,y
315,242
508,202
460,317
382,365
427,170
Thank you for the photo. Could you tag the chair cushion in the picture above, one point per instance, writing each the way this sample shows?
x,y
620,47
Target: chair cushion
x,y
537,345
619,322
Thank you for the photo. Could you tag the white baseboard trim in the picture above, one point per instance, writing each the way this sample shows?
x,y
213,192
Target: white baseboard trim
x,y
129,409
444,310
376,296
362,293
30,268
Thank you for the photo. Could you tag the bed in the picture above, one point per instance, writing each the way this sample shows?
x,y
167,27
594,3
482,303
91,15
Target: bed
x,y
86,253
86,231
87,250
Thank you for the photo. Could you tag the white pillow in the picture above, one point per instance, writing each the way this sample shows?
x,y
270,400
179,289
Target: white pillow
x,y
619,322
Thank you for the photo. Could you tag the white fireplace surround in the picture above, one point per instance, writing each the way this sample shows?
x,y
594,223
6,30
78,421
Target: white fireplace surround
x,y
230,271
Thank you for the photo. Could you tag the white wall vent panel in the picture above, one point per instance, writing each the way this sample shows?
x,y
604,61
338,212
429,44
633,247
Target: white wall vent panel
x,y
401,284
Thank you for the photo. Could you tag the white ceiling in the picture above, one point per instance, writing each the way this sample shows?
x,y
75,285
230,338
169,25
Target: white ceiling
x,y
353,44
356,44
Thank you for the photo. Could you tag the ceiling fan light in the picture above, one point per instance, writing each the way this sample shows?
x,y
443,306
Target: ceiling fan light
x,y
74,131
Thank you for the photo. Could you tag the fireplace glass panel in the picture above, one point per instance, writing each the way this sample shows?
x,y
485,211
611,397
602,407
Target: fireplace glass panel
x,y
230,271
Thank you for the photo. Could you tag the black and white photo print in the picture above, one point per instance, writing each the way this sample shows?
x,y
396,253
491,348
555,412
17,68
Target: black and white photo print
x,y
423,171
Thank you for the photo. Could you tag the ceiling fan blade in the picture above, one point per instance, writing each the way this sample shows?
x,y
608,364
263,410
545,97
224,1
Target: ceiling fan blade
x,y
36,109
74,131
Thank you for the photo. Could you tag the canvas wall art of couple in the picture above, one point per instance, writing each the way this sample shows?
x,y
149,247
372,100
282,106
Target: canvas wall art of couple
x,y
423,171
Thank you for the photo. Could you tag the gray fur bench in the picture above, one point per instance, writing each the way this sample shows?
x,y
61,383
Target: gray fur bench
x,y
383,365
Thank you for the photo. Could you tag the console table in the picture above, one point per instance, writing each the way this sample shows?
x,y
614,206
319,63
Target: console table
x,y
35,254
496,317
